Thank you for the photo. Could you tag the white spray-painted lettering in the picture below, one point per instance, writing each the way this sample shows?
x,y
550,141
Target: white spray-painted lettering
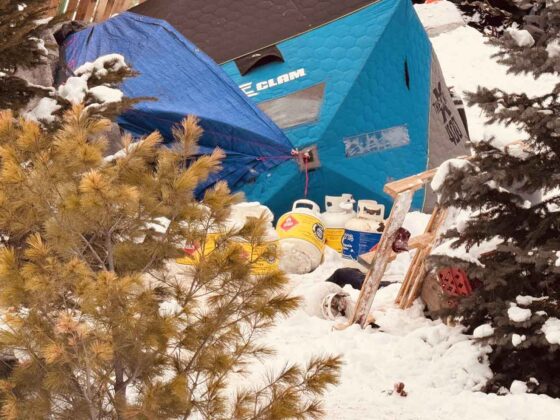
x,y
252,89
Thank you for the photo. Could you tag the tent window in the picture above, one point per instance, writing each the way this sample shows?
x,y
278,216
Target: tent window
x,y
406,74
297,108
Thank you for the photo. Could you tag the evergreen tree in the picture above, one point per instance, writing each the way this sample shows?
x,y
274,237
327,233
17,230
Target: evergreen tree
x,y
102,324
21,26
28,60
513,193
492,17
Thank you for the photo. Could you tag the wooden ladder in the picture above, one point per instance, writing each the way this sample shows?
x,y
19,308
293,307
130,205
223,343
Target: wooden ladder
x,y
402,192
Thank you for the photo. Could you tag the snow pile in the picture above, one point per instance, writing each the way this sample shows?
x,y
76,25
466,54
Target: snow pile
x,y
74,90
473,255
553,48
483,331
43,111
517,150
466,61
444,170
517,339
105,94
434,361
518,387
551,330
522,37
439,17
101,66
517,314
527,300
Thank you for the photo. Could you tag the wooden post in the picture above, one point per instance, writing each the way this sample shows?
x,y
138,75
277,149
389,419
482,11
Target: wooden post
x,y
71,8
416,273
103,10
120,6
85,10
419,282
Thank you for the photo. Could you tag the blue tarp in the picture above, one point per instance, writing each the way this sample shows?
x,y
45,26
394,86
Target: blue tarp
x,y
185,81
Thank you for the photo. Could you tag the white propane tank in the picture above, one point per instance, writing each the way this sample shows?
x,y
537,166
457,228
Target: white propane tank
x,y
339,210
302,238
324,300
364,231
242,211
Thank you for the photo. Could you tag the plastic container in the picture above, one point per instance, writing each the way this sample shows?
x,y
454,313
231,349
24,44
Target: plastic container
x,y
363,232
260,265
239,215
324,300
339,210
302,238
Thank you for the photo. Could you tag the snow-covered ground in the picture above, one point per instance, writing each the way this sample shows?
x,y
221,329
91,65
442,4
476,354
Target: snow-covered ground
x,y
440,367
467,63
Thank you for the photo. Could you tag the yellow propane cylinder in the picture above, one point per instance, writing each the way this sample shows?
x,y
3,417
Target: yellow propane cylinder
x,y
302,238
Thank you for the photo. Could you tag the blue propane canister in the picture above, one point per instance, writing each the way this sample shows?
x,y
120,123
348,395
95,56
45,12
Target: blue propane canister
x,y
364,231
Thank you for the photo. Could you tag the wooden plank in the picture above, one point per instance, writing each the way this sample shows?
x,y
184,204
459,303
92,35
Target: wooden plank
x,y
384,250
103,10
85,10
415,242
72,8
416,274
411,274
417,257
120,6
413,183
417,285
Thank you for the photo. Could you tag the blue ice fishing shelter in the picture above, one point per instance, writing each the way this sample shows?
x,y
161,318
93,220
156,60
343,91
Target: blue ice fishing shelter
x,y
354,82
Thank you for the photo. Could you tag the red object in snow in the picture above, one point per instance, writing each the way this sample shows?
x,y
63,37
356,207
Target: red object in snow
x,y
401,240
454,281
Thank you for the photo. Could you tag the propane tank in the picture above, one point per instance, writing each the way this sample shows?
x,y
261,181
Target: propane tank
x,y
242,211
263,257
302,238
324,300
364,231
257,255
339,210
